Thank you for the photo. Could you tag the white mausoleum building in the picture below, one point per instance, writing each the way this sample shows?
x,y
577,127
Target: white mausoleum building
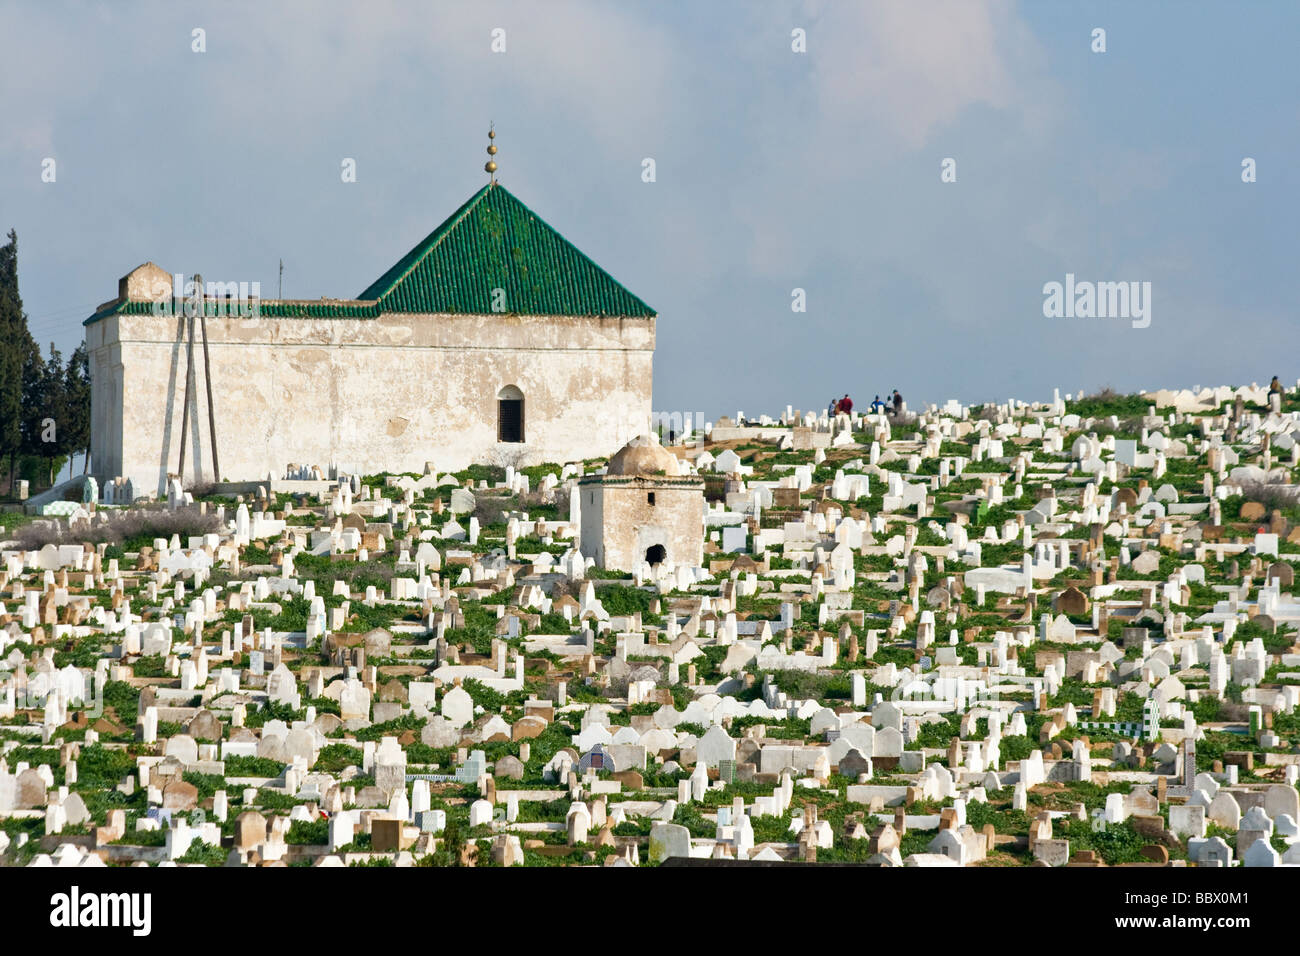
x,y
494,340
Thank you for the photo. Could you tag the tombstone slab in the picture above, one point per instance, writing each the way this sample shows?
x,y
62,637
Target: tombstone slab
x,y
669,840
180,796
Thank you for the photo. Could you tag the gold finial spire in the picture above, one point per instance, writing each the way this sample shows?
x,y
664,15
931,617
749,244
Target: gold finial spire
x,y
490,167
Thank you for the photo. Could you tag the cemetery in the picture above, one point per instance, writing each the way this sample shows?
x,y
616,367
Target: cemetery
x,y
1060,634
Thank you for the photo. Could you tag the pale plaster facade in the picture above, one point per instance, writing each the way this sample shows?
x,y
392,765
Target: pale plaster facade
x,y
388,393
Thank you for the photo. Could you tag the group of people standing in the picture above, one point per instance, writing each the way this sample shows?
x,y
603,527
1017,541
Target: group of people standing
x,y
844,406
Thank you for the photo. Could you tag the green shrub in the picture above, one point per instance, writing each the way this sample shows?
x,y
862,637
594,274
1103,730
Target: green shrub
x,y
620,599
332,758
206,783
102,768
483,696
303,832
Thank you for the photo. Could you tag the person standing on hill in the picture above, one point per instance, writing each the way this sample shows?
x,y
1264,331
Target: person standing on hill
x,y
898,404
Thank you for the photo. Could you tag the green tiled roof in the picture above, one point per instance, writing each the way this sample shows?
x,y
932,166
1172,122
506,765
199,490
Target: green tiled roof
x,y
492,242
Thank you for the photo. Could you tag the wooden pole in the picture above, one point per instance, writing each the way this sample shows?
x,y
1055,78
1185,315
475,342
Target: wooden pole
x,y
207,378
189,374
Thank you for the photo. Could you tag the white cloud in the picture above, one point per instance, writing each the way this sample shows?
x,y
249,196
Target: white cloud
x,y
899,71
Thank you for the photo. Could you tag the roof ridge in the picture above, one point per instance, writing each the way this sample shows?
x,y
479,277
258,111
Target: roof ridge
x,y
433,240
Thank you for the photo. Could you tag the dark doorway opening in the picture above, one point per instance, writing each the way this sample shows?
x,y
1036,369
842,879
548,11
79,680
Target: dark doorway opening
x,y
510,420
656,554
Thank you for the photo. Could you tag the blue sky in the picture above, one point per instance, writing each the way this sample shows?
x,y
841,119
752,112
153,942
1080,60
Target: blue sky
x,y
775,171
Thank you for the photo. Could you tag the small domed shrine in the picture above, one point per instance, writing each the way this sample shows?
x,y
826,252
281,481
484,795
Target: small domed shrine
x,y
642,510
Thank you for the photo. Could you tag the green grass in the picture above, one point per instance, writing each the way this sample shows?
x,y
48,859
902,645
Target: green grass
x,y
12,520
253,767
1117,843
1106,403
156,837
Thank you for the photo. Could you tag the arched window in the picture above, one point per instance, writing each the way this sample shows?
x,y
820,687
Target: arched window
x,y
510,414
656,554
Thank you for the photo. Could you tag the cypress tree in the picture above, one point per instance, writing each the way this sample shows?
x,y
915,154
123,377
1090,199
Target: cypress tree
x,y
46,409
32,410
16,347
44,405
76,398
